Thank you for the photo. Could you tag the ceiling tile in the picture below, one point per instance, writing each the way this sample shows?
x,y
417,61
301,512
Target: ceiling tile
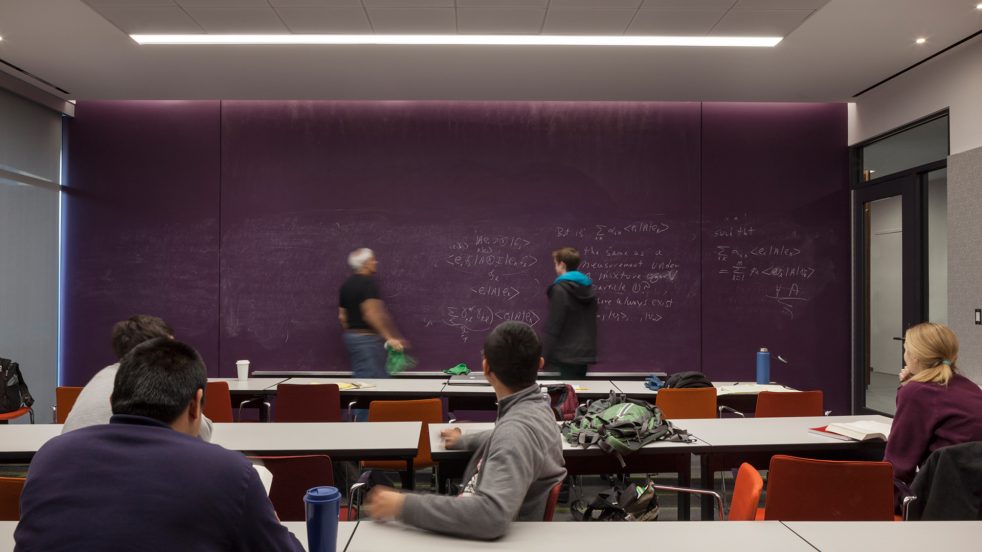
x,y
760,22
330,20
409,3
595,4
780,4
151,20
238,20
588,22
542,4
500,20
223,3
674,22
128,3
690,4
413,20
315,3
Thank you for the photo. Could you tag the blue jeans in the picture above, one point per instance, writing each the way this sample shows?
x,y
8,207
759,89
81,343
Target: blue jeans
x,y
367,355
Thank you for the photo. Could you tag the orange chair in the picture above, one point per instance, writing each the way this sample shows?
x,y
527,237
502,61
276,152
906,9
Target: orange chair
x,y
552,501
428,411
802,489
218,402
10,489
13,414
783,405
746,494
65,398
686,403
292,476
317,402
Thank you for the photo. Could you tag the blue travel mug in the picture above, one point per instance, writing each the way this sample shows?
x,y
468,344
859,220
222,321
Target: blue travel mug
x,y
763,366
322,505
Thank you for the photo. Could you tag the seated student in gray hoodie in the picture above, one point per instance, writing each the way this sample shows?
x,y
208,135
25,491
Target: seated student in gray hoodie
x,y
514,466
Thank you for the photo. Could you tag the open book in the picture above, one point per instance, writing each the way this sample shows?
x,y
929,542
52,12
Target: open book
x,y
346,385
855,431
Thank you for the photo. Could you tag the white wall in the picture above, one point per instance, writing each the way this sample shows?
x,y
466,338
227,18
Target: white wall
x,y
952,80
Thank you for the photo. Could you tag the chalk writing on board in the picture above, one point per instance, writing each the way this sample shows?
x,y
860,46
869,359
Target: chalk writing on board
x,y
772,264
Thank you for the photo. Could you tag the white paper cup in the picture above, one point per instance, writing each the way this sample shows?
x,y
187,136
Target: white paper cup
x,y
242,367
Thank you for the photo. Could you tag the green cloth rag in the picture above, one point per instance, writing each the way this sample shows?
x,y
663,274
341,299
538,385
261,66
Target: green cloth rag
x,y
458,370
398,361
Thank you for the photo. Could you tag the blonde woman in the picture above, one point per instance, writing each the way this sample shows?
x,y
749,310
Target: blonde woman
x,y
936,406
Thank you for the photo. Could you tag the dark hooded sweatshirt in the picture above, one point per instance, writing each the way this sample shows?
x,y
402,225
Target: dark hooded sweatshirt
x,y
571,330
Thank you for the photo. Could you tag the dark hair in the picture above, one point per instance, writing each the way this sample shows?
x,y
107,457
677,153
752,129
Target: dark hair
x,y
135,330
567,255
513,352
158,379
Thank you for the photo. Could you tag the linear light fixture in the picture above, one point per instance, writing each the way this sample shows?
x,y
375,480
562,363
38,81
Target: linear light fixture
x,y
467,40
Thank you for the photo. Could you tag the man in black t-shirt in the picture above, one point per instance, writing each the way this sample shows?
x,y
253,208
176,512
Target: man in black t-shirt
x,y
367,324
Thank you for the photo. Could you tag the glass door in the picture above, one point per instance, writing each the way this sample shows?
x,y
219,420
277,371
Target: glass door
x,y
901,260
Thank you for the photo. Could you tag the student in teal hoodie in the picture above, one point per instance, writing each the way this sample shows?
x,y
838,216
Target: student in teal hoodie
x,y
570,341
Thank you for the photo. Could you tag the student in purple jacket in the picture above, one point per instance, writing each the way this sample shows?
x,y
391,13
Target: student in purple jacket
x,y
144,481
936,406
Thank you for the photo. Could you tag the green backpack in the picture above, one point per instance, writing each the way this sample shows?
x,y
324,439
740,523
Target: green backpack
x,y
620,425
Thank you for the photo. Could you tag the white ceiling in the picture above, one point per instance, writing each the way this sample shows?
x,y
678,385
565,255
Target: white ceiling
x,y
832,49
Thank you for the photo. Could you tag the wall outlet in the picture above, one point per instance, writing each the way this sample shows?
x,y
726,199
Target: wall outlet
x,y
978,317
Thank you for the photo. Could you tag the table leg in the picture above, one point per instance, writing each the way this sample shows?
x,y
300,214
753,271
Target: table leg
x,y
411,480
685,480
705,469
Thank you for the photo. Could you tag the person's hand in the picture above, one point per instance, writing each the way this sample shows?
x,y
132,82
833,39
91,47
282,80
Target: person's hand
x,y
396,344
905,374
384,503
450,436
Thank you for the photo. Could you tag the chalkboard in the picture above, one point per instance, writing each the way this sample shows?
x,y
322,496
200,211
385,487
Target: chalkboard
x,y
463,206
710,229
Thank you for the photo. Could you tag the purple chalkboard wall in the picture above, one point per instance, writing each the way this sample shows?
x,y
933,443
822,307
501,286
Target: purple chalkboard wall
x,y
710,229
141,226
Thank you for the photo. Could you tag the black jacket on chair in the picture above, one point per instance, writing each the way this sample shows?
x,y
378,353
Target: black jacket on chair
x,y
949,485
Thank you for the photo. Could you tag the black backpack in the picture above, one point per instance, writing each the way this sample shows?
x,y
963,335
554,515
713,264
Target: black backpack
x,y
14,394
688,380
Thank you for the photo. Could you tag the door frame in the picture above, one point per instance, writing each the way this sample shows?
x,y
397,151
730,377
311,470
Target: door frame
x,y
911,185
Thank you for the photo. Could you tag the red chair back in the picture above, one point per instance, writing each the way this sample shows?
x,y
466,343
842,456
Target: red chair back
x,y
784,405
65,398
746,494
316,402
685,403
552,501
218,402
428,411
802,489
292,477
10,490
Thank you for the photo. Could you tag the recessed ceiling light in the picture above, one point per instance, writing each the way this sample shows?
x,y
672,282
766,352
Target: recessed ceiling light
x,y
475,40
921,40
978,6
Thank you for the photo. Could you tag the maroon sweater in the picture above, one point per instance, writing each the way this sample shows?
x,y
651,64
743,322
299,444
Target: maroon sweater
x,y
931,416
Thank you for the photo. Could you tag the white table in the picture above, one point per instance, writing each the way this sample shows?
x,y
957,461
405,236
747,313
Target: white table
x,y
382,389
735,440
760,536
660,456
912,536
251,386
482,397
19,442
366,440
256,389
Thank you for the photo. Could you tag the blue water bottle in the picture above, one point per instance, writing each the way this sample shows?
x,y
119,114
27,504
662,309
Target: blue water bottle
x,y
322,505
763,366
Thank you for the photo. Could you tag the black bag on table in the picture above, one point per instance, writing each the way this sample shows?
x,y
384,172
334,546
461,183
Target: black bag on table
x,y
683,380
14,394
